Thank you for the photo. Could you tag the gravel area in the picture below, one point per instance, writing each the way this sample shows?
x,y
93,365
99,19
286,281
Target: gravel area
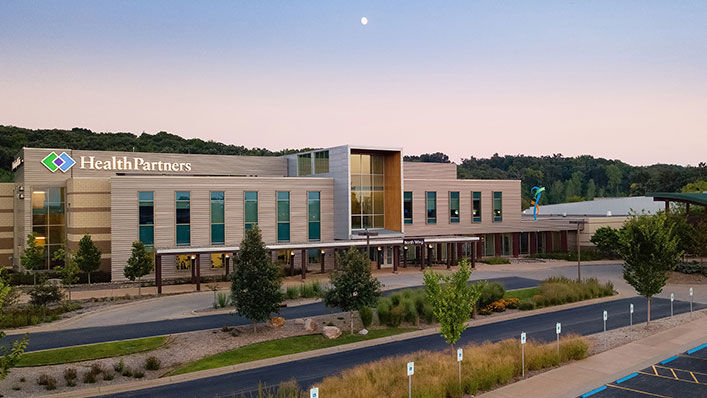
x,y
678,278
179,349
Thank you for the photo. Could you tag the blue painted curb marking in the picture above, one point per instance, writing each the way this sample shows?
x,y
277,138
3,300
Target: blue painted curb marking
x,y
668,360
596,390
697,348
626,378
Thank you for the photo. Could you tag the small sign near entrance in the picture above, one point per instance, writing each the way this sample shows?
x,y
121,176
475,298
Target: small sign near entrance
x,y
606,315
558,328
460,355
631,308
672,296
522,338
314,392
411,368
690,292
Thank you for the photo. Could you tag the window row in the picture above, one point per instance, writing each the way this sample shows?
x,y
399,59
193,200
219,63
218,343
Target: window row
x,y
182,217
454,207
320,161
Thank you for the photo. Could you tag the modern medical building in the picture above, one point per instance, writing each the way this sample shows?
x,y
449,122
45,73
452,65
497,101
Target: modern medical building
x,y
193,210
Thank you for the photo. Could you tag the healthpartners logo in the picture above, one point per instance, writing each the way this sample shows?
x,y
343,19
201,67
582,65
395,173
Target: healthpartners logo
x,y
56,162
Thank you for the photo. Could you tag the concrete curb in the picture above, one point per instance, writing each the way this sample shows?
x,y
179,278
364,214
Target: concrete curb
x,y
118,388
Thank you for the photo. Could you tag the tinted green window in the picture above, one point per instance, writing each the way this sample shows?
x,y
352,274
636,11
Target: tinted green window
x,y
147,235
454,207
407,207
146,218
146,195
218,229
304,164
314,215
183,217
497,206
476,206
321,162
183,235
431,207
283,216
251,209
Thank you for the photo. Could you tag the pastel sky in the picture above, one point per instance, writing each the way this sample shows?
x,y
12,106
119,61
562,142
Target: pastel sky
x,y
617,79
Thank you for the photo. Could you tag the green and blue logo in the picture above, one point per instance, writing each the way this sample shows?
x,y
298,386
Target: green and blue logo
x,y
56,162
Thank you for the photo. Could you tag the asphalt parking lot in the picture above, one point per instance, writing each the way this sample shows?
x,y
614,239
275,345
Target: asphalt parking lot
x,y
683,375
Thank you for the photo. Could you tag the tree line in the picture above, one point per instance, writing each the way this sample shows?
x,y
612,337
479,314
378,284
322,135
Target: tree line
x,y
573,179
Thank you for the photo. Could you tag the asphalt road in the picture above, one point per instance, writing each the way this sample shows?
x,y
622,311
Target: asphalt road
x,y
71,337
583,320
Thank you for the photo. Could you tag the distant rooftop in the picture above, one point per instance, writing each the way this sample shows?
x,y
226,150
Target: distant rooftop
x,y
600,207
699,198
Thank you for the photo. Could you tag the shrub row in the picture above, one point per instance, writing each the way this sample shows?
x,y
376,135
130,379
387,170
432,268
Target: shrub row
x,y
407,305
16,278
693,267
494,260
588,254
33,315
561,290
305,290
500,306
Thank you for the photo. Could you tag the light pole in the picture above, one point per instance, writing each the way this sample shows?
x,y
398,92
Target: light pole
x,y
368,235
580,225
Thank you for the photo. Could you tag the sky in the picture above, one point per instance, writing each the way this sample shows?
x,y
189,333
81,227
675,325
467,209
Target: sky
x,y
617,79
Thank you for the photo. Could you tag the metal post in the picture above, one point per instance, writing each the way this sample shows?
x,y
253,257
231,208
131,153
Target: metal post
x,y
522,359
409,386
198,273
672,298
304,263
690,302
323,254
579,261
460,375
630,314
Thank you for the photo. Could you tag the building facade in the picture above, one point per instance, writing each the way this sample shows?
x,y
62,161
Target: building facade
x,y
193,210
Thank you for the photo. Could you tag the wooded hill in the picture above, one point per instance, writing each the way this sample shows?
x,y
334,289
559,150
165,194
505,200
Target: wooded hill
x,y
565,178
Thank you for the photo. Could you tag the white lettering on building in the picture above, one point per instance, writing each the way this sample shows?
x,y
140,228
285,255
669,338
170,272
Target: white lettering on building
x,y
129,164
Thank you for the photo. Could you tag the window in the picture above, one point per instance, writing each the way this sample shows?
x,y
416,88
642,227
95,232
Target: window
x,y
489,245
218,229
183,218
321,162
407,207
49,221
251,209
183,262
497,206
304,164
506,244
476,206
367,186
541,242
431,207
524,244
146,218
283,216
454,207
314,216
217,260
313,256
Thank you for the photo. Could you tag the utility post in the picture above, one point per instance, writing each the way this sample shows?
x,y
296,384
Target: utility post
x,y
580,226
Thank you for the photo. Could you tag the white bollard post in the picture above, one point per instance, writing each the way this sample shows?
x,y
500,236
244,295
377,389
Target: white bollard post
x,y
690,302
606,316
522,353
672,298
460,356
411,371
314,392
630,312
558,329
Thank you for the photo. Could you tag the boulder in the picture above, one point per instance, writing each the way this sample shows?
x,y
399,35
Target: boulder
x,y
310,325
277,321
331,332
299,321
363,332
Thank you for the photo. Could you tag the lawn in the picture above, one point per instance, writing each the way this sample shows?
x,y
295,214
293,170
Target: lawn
x,y
276,348
521,294
89,352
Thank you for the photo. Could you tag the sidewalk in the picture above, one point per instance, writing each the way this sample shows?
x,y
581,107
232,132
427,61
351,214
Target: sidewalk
x,y
580,377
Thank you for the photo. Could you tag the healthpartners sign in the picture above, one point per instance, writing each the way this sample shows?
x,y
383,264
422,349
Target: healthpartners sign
x,y
64,162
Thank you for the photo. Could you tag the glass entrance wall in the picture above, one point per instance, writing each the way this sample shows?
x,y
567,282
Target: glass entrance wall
x,y
49,221
367,191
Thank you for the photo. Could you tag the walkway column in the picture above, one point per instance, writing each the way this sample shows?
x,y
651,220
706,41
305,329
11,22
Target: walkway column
x,y
460,253
379,257
422,256
429,255
405,256
304,263
667,207
226,259
563,241
396,258
439,253
158,273
198,273
192,265
321,258
292,262
533,242
548,242
498,245
473,254
516,244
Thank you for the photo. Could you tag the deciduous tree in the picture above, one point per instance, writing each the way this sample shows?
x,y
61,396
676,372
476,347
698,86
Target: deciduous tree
x,y
88,257
33,257
140,264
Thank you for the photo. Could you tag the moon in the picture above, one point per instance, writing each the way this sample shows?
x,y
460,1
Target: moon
x,y
364,21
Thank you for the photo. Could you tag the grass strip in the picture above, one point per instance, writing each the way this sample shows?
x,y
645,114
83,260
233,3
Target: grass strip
x,y
521,294
276,348
89,352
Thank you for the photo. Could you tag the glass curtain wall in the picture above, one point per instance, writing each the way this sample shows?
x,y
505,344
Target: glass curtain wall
x,y
183,217
367,191
49,221
407,207
314,216
251,209
283,216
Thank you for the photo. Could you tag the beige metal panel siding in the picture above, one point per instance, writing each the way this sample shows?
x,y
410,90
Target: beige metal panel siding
x,y
431,171
125,212
6,223
88,211
511,206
